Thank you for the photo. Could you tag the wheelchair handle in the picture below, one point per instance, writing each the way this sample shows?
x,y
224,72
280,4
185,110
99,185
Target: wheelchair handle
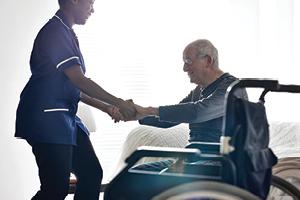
x,y
147,151
288,88
268,84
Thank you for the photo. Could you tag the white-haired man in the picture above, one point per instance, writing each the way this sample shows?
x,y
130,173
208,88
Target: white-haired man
x,y
203,109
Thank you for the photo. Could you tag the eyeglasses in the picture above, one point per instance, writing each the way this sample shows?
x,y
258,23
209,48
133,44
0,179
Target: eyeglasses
x,y
189,61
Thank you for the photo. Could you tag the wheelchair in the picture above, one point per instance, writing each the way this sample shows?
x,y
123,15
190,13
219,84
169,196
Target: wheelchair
x,y
242,166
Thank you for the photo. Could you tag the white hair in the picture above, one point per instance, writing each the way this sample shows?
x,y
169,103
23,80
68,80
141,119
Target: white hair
x,y
205,47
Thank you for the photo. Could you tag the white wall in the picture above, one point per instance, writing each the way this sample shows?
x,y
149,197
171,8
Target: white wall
x,y
20,21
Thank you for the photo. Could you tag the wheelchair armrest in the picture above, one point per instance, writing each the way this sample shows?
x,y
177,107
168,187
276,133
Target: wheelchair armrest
x,y
205,147
147,151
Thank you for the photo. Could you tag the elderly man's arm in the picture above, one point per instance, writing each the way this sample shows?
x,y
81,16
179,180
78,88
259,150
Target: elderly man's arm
x,y
207,109
150,115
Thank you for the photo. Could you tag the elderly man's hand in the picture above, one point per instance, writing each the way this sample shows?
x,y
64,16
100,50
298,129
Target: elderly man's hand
x,y
127,109
142,111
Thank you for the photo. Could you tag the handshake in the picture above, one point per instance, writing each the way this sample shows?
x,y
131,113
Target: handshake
x,y
129,111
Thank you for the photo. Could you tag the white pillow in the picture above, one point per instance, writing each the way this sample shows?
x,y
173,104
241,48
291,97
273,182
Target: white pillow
x,y
142,135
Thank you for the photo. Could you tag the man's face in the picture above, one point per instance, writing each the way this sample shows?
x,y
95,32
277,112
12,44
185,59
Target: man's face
x,y
83,10
195,65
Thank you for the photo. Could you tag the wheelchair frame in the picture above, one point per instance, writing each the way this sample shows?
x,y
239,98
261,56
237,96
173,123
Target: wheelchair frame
x,y
147,185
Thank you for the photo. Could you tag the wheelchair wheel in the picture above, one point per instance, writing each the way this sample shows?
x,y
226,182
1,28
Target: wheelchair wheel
x,y
205,190
281,187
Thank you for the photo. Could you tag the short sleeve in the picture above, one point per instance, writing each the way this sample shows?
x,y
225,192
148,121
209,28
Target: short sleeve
x,y
61,48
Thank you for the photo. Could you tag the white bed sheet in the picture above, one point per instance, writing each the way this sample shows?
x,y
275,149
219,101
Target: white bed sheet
x,y
285,138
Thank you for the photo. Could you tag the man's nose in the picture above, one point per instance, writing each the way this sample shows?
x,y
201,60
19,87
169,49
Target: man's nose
x,y
92,9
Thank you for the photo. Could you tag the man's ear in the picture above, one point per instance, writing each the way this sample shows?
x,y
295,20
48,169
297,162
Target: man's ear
x,y
210,59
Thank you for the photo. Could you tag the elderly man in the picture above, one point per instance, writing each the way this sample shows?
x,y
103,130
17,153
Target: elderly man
x,y
203,108
46,115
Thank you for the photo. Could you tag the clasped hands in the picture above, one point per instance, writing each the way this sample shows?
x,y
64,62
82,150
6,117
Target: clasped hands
x,y
128,111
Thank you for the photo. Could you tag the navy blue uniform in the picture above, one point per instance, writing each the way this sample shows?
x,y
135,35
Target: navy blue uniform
x,y
46,116
48,103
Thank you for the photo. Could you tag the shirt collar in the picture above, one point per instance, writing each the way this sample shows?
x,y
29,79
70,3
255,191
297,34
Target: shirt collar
x,y
212,87
62,18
